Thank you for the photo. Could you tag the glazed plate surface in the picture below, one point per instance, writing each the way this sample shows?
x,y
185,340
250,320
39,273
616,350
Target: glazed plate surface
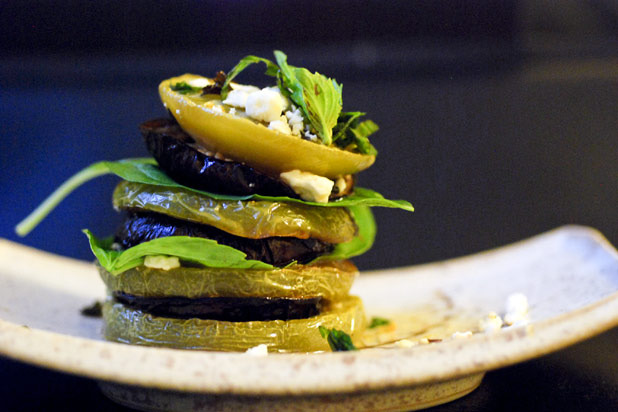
x,y
569,275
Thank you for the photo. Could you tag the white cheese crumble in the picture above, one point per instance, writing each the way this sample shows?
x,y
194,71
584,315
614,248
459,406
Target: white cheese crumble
x,y
238,95
516,309
295,119
459,335
491,323
309,187
405,343
280,125
310,136
162,262
259,350
265,105
200,82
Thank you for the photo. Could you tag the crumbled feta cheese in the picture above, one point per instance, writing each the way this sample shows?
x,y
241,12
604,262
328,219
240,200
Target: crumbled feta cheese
x,y
259,350
309,187
284,100
295,119
516,309
162,262
405,343
280,125
459,335
200,82
491,323
265,105
238,95
310,136
232,110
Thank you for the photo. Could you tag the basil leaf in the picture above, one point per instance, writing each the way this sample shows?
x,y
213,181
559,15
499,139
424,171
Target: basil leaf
x,y
338,340
362,242
271,70
185,88
377,321
145,170
209,253
206,252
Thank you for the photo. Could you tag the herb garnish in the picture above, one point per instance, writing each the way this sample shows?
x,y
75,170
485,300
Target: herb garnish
x,y
338,341
185,88
319,99
377,321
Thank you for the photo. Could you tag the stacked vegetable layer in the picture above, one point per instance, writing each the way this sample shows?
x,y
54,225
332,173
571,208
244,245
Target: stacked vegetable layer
x,y
229,239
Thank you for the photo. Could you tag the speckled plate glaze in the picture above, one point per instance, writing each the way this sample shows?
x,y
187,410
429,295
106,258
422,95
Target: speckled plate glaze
x,y
570,276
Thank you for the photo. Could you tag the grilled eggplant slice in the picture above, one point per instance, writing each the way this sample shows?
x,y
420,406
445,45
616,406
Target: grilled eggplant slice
x,y
278,251
185,163
229,309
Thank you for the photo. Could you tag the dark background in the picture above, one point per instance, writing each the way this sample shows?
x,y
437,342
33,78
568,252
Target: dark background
x,y
499,120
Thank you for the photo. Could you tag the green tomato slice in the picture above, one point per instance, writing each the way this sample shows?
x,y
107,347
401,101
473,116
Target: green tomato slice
x,y
253,219
331,280
213,126
298,335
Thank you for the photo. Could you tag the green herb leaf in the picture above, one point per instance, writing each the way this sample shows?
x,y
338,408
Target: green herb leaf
x,y
185,88
350,133
362,133
318,97
323,102
209,253
344,122
338,341
145,170
142,170
364,239
377,321
271,70
206,252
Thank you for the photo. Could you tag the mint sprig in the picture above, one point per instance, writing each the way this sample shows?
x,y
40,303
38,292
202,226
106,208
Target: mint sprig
x,y
318,97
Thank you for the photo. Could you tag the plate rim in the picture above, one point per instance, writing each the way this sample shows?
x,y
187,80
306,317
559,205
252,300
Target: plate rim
x,y
16,342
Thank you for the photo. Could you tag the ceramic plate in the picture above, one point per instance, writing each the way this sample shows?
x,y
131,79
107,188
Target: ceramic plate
x,y
569,275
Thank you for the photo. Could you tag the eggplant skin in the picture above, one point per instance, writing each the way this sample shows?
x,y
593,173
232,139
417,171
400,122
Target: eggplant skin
x,y
229,309
171,147
277,251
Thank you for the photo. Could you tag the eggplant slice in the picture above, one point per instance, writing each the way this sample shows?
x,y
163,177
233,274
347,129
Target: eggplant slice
x,y
183,161
172,148
224,308
277,251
